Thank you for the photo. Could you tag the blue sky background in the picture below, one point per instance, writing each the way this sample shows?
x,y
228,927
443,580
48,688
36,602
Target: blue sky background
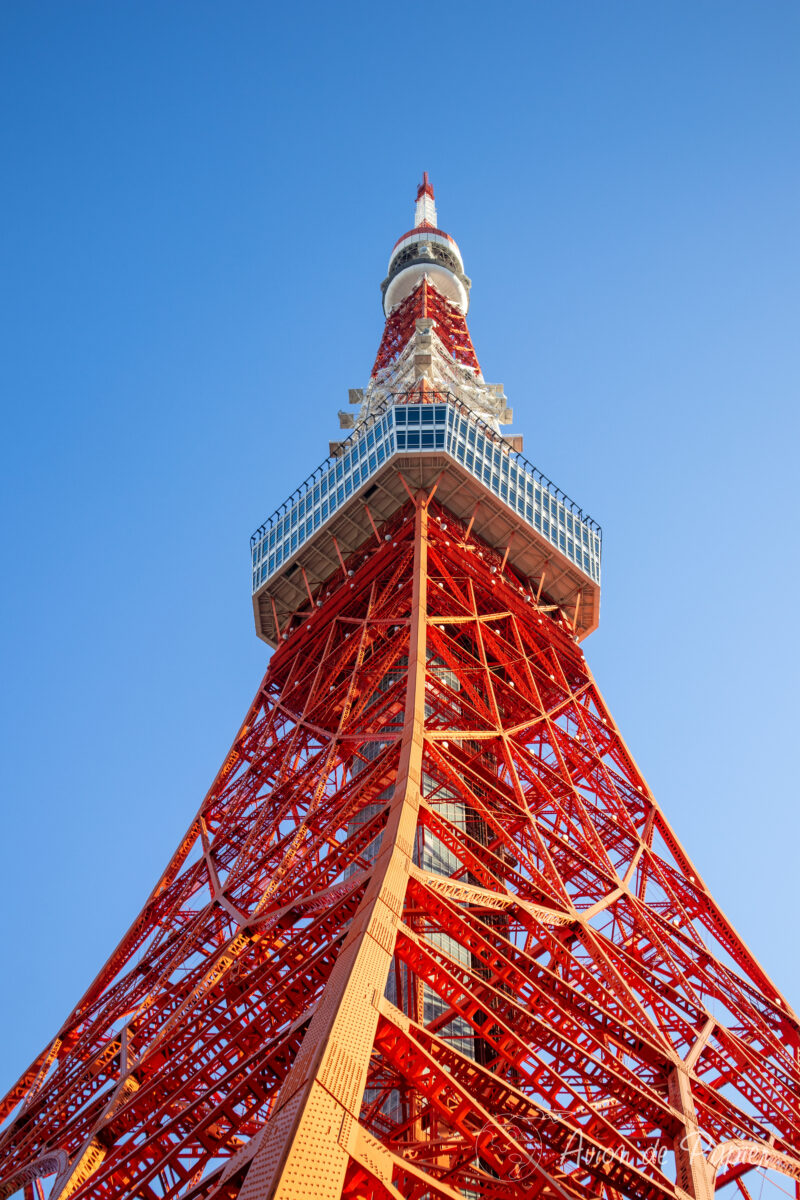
x,y
198,203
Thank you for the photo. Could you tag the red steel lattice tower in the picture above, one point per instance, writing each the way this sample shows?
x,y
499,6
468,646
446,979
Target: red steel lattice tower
x,y
429,934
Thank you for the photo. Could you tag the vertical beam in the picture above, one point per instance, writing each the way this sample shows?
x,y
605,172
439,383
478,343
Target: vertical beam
x,y
303,1150
339,556
372,523
577,609
541,580
472,520
693,1176
275,619
308,587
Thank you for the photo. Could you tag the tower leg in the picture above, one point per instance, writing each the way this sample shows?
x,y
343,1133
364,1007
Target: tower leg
x,y
305,1148
693,1175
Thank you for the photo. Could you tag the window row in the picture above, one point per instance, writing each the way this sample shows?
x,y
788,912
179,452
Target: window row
x,y
427,427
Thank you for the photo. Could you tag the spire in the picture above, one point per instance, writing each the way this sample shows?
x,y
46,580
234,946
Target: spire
x,y
425,249
426,341
425,213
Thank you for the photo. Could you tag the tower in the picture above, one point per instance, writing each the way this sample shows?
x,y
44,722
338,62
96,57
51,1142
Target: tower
x,y
429,933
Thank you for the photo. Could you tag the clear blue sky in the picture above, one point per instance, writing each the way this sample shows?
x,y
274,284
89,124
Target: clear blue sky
x,y
198,203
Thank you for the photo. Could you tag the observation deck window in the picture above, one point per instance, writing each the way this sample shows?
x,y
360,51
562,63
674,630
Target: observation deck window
x,y
406,426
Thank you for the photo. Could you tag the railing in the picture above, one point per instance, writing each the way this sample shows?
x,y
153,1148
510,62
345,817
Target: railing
x,y
409,422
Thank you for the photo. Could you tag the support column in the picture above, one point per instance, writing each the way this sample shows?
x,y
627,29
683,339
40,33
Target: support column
x,y
693,1176
303,1150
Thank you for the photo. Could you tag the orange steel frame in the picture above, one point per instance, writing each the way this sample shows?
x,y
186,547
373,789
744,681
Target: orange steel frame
x,y
599,1028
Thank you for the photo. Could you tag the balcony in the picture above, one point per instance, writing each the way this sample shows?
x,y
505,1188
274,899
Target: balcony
x,y
438,432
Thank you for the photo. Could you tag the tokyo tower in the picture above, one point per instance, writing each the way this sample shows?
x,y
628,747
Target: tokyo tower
x,y
429,934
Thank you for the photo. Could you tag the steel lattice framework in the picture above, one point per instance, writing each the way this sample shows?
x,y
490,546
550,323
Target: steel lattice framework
x,y
592,1004
429,935
426,302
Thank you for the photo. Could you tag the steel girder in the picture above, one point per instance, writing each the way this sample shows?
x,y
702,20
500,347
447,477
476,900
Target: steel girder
x,y
448,320
429,935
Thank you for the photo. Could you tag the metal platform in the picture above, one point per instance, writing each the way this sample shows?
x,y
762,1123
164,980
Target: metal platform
x,y
518,508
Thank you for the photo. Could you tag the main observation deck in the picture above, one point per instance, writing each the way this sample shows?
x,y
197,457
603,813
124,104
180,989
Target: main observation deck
x,y
426,438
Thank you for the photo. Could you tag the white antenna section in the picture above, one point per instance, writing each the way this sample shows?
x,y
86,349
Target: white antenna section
x,y
425,213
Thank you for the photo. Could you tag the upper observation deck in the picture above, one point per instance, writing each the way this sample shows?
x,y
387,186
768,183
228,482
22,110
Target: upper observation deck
x,y
416,439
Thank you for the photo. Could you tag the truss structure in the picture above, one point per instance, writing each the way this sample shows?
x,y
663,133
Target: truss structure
x,y
426,303
428,936
426,337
